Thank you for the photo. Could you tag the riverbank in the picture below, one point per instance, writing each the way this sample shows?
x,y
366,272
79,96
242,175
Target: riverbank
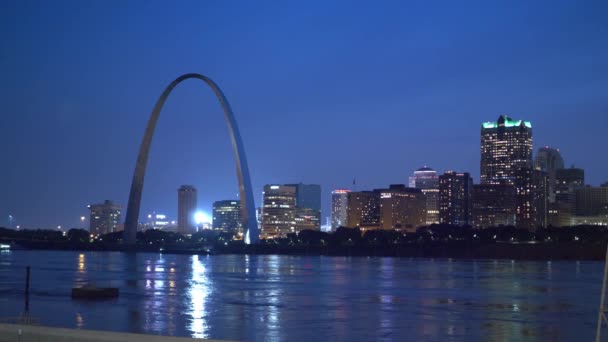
x,y
454,249
26,333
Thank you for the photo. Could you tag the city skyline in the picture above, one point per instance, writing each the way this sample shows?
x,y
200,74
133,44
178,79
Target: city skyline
x,y
75,120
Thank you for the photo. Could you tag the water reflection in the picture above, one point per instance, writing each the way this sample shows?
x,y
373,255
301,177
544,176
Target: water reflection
x,y
199,291
279,298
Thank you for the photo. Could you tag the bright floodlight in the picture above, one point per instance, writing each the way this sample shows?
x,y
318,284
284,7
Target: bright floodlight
x,y
201,217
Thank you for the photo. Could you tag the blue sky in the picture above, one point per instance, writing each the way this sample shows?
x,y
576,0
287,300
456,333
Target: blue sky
x,y
323,92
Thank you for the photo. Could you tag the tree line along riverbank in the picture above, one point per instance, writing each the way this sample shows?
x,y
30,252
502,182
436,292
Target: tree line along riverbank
x,y
441,241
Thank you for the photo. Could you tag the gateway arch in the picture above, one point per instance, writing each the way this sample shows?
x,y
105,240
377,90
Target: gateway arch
x,y
248,217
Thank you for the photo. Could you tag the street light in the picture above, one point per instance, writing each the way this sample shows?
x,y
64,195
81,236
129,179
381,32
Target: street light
x,y
82,218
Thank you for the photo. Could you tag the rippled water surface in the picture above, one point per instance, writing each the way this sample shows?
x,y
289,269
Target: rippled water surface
x,y
295,298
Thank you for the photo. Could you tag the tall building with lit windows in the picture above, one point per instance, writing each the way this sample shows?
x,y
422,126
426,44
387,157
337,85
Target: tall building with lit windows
x,y
186,208
532,198
308,206
105,218
278,210
455,198
549,160
339,208
364,210
426,179
402,208
227,216
506,147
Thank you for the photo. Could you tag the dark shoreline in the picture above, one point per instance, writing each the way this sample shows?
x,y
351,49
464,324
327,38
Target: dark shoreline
x,y
498,250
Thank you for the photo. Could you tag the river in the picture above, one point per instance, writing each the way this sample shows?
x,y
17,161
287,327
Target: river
x,y
309,298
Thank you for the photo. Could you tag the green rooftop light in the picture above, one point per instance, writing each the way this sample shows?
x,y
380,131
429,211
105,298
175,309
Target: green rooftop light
x,y
508,123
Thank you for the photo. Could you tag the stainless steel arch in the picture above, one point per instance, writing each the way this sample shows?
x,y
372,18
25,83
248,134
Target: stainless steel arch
x,y
248,218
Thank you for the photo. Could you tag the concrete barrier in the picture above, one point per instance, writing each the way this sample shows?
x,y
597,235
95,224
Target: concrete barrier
x,y
36,333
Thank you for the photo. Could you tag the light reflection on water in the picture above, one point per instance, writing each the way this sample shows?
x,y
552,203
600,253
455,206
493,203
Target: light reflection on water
x,y
277,298
200,288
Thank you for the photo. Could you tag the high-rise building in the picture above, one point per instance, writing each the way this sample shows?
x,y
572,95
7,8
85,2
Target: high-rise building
x,y
549,160
563,210
532,194
506,146
186,208
278,211
104,218
455,198
402,208
427,180
364,209
494,205
308,206
339,208
227,216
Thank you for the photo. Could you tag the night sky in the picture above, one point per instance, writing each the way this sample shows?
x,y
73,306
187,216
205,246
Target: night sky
x,y
323,92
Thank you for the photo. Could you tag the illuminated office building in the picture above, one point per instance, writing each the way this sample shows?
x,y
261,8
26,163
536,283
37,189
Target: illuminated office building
x,y
339,208
278,211
227,216
506,146
308,206
364,210
455,198
402,208
427,180
104,218
532,198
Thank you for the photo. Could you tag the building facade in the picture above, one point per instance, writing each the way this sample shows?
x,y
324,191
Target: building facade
x,y
494,205
308,206
506,146
227,216
278,211
592,201
427,180
186,208
104,218
402,208
455,198
339,208
549,160
532,198
364,210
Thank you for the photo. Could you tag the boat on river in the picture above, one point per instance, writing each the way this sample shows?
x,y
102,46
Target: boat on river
x,y
93,292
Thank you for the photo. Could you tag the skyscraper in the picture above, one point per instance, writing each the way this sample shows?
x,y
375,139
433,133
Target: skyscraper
x,y
532,194
186,208
278,210
339,208
549,160
227,216
455,200
427,180
104,218
506,146
308,206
